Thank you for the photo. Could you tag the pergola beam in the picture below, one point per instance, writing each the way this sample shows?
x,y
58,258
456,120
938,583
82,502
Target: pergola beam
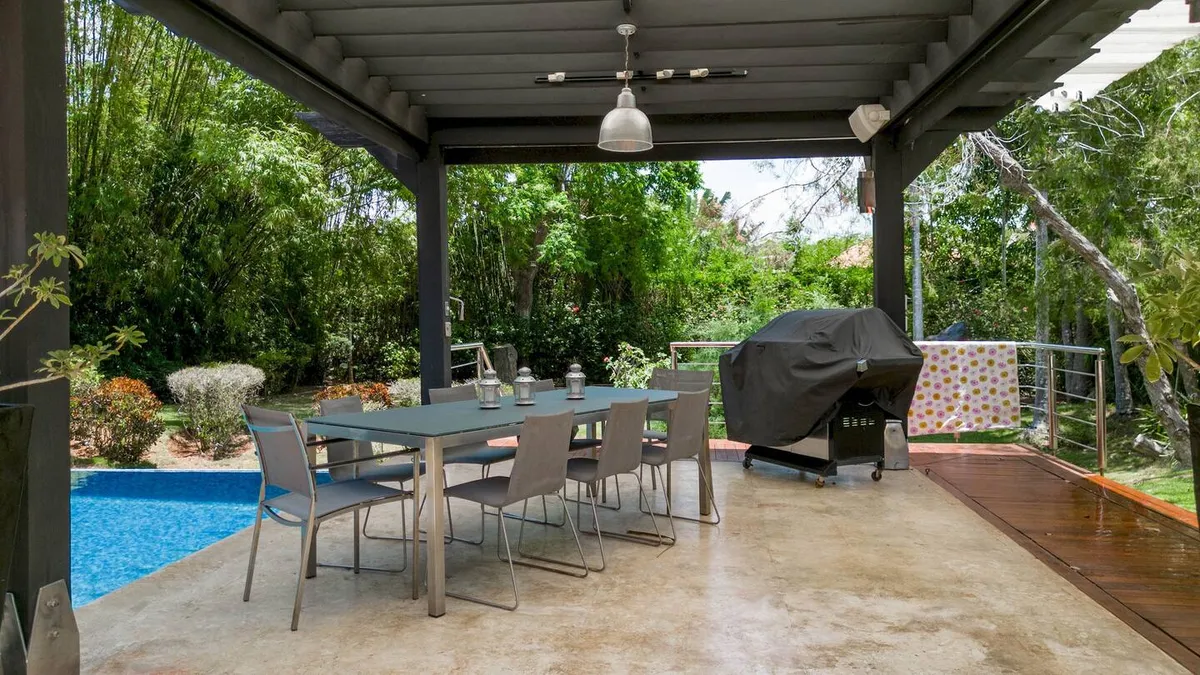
x,y
280,49
1022,32
367,17
403,168
661,152
692,128
600,41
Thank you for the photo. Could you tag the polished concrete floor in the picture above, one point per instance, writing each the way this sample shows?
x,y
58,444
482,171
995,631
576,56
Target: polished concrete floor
x,y
895,576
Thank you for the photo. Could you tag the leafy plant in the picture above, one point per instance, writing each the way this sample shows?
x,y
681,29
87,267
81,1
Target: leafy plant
x,y
1171,301
374,395
117,420
26,295
210,400
631,367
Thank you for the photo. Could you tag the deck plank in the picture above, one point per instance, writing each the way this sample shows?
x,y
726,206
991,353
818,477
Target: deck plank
x,y
1140,562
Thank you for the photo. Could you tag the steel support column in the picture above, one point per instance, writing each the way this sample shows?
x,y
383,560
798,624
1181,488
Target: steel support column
x,y
433,272
33,198
888,228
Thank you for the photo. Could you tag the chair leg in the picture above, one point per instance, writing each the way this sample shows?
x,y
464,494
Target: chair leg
x,y
654,538
512,573
403,539
309,530
253,552
567,519
649,510
706,479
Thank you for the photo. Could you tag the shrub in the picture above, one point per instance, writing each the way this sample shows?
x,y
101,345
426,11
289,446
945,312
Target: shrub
x,y
406,393
375,395
116,420
209,402
400,361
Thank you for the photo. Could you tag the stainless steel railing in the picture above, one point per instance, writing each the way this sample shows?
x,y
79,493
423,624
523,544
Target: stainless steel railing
x,y
1047,370
480,363
1048,363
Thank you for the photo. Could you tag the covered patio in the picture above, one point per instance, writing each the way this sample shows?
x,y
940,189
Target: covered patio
x,y
899,576
892,577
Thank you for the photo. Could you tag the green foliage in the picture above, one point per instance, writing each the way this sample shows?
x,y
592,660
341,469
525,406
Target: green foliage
x,y
631,367
210,400
116,420
1170,292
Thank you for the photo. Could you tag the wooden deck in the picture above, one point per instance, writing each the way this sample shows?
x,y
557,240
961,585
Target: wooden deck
x,y
1129,554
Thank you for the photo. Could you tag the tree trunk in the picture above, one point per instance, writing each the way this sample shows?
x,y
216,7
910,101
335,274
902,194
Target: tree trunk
x,y
1079,384
918,289
1162,396
1122,393
1042,329
524,278
1186,374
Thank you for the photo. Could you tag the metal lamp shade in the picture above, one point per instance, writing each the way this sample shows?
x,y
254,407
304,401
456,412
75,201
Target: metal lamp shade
x,y
625,128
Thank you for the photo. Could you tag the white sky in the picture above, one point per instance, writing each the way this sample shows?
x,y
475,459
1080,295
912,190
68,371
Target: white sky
x,y
745,182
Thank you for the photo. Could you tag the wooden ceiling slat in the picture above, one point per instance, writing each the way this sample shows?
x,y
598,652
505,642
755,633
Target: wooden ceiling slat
x,y
602,14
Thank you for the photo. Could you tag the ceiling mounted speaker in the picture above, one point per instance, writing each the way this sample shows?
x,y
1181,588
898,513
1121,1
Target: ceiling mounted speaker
x,y
867,120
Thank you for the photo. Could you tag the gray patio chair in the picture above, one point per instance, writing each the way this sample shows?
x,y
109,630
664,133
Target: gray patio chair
x,y
482,454
689,419
539,469
283,459
620,452
673,380
339,450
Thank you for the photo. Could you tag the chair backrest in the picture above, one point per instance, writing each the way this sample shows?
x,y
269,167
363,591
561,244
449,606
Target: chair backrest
x,y
543,385
540,466
679,380
685,430
465,392
281,453
342,450
621,450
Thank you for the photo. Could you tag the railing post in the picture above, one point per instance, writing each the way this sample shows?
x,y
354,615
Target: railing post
x,y
1051,400
674,358
1101,416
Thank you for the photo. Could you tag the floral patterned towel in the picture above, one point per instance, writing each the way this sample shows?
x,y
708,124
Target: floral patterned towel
x,y
965,386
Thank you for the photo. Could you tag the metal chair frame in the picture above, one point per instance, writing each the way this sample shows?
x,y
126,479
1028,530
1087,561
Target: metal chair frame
x,y
310,524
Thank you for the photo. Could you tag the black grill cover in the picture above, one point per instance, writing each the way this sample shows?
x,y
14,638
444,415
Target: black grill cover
x,y
788,379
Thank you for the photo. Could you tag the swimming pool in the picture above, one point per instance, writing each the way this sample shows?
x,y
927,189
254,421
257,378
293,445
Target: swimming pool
x,y
126,524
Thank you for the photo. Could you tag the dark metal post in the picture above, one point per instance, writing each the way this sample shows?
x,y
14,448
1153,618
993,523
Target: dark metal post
x,y
888,231
433,270
33,198
1194,423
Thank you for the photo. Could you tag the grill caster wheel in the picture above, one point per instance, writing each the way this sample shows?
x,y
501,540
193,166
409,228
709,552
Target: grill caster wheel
x,y
746,464
820,481
877,475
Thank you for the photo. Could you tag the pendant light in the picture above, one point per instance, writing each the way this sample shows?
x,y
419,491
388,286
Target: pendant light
x,y
625,128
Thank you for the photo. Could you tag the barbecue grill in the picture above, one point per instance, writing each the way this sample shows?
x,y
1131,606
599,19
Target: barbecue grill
x,y
814,390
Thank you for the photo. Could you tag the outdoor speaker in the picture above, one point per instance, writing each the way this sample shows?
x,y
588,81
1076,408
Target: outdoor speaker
x,y
868,119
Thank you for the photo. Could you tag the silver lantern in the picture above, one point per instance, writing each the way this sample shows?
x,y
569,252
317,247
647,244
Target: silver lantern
x,y
574,379
489,390
523,387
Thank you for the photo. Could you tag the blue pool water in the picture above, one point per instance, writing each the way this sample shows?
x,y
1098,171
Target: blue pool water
x,y
127,524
